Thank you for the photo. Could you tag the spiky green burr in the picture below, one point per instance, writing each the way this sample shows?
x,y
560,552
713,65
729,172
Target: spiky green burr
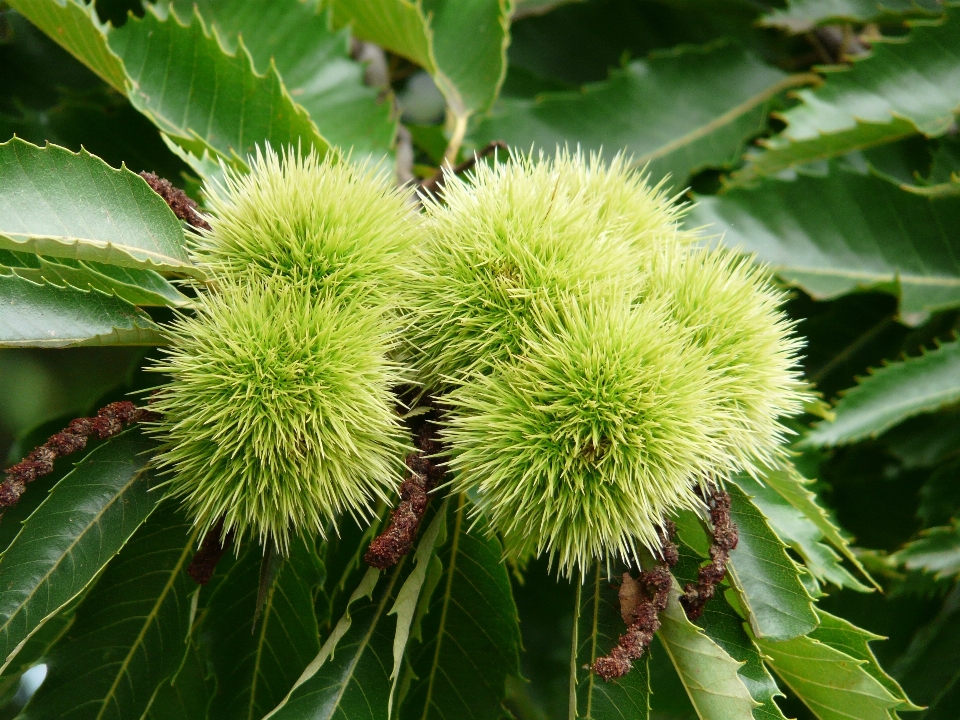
x,y
278,415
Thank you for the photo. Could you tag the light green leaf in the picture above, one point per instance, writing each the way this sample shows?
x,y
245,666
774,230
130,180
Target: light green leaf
x,y
75,26
408,597
216,100
349,677
138,286
597,626
798,531
129,633
74,205
843,232
255,669
34,315
848,638
901,88
88,516
937,551
470,630
802,15
774,598
675,112
314,63
891,394
461,43
709,675
834,685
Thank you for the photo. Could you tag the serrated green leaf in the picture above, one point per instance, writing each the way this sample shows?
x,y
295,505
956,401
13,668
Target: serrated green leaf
x,y
846,637
842,232
834,685
74,205
891,394
675,113
597,626
255,670
709,675
767,580
138,286
187,697
408,597
314,62
34,315
75,26
130,630
798,531
216,101
461,44
350,675
470,629
902,87
802,15
936,551
87,518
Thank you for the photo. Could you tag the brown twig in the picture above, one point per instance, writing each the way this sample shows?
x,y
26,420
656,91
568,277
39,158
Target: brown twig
x,y
433,185
108,422
211,550
641,602
182,205
424,474
725,537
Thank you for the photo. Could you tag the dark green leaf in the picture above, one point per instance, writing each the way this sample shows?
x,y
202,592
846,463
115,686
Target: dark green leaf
x,y
597,626
846,231
709,675
799,532
255,670
187,697
130,633
34,315
936,551
313,61
676,112
802,15
67,541
138,286
216,100
65,204
774,598
893,393
899,89
470,629
847,638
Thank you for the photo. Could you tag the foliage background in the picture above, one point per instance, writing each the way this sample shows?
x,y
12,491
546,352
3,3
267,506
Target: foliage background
x,y
820,135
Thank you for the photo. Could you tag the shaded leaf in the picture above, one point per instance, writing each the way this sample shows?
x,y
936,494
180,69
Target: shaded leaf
x,y
138,286
217,101
597,627
87,518
34,315
187,696
802,15
834,685
847,638
255,670
130,631
676,112
842,232
314,62
901,88
892,394
936,551
774,598
74,205
350,677
461,44
799,532
709,675
470,629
